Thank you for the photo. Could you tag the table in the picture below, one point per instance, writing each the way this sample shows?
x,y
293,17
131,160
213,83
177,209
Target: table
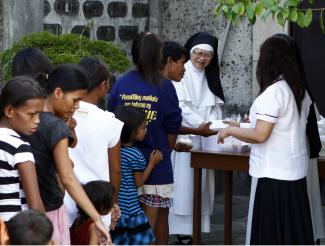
x,y
227,162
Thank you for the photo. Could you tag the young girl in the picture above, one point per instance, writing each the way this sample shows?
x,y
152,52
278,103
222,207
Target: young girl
x,y
133,227
144,88
21,101
278,158
83,230
65,87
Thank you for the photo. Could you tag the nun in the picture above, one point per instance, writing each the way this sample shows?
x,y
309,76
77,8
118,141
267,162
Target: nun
x,y
200,97
314,147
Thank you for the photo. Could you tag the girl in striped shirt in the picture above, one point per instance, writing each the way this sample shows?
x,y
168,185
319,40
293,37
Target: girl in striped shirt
x,y
21,101
133,227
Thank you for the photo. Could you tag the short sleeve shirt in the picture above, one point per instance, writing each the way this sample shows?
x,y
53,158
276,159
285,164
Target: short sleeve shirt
x,y
13,151
49,133
97,131
132,161
163,115
284,154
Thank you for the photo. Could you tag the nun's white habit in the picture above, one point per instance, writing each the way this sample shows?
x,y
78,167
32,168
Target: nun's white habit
x,y
199,104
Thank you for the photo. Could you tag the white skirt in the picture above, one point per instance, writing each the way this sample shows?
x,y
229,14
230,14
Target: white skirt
x,y
181,214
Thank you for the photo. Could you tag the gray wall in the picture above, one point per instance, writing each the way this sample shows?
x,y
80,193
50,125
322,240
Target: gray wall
x,y
1,26
111,20
182,18
20,17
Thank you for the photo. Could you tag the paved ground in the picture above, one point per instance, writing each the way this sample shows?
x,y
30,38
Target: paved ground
x,y
240,210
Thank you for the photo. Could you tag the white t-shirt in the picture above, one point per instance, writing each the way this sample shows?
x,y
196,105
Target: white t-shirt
x,y
97,131
284,155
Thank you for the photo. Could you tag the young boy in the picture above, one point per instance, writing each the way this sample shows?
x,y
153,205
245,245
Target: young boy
x,y
30,228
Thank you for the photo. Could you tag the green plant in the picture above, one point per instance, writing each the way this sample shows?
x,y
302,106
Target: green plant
x,y
283,10
67,48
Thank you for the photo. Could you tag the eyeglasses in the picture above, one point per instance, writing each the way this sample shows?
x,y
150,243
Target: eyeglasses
x,y
203,54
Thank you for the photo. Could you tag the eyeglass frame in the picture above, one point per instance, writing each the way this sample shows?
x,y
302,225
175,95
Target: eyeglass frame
x,y
203,54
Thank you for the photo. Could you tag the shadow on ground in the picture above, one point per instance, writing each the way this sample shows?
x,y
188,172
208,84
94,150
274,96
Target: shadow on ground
x,y
239,218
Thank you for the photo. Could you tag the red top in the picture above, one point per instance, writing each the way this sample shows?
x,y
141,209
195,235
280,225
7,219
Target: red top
x,y
80,235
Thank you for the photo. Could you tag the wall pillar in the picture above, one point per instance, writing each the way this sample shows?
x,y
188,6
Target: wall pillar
x,y
19,18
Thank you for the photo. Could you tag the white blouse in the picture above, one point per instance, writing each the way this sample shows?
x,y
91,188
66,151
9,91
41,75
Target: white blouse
x,y
284,155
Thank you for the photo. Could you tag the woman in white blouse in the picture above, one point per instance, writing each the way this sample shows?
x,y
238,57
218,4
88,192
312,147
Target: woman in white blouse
x,y
278,159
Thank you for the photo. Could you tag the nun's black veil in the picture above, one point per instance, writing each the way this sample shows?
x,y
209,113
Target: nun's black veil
x,y
211,71
315,144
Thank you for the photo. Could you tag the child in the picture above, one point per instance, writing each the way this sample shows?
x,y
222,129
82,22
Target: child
x,y
83,229
65,86
133,226
97,155
21,102
30,228
278,158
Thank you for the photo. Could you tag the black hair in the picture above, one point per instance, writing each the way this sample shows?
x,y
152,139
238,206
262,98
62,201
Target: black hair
x,y
173,50
146,55
278,58
68,77
100,193
135,49
112,81
29,227
18,90
96,70
32,62
132,118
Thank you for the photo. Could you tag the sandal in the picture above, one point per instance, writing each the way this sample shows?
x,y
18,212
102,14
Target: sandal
x,y
184,240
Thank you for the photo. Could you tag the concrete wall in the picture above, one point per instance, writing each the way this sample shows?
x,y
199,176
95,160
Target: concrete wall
x,y
20,17
182,18
111,20
1,25
261,31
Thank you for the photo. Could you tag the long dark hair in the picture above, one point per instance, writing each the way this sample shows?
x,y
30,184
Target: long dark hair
x,y
18,90
135,49
146,53
32,62
96,70
278,59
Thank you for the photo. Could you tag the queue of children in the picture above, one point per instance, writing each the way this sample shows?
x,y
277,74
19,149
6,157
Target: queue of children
x,y
82,171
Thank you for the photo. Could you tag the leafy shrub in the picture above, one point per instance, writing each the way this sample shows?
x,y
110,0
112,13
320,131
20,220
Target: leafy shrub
x,y
67,48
